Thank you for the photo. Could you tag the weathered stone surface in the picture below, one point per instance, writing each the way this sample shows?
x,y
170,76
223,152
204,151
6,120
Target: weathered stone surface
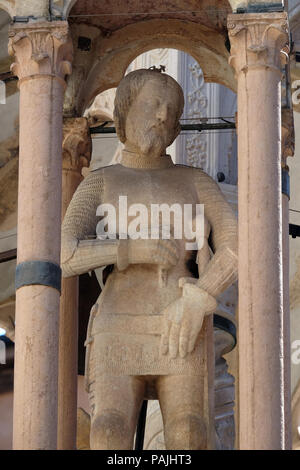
x,y
258,43
117,50
42,60
77,147
150,333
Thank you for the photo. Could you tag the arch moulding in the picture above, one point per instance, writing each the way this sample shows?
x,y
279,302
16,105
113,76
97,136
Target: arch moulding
x,y
116,52
9,6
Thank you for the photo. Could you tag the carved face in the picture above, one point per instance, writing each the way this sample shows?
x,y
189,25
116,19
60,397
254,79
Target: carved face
x,y
151,123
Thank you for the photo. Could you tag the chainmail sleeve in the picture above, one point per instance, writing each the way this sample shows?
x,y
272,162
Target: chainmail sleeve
x,y
80,254
221,271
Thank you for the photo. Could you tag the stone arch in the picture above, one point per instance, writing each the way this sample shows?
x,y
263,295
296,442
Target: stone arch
x,y
62,8
68,7
9,6
117,51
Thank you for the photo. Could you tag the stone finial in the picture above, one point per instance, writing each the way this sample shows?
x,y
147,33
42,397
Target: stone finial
x,y
258,40
42,48
77,144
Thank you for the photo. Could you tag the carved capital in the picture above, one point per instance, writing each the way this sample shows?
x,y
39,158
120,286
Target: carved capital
x,y
258,40
287,135
77,144
41,49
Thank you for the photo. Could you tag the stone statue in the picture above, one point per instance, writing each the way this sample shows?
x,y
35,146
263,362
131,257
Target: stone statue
x,y
149,332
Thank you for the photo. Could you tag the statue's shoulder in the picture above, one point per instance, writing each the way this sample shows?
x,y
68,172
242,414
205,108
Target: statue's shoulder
x,y
188,167
106,172
200,179
101,170
194,172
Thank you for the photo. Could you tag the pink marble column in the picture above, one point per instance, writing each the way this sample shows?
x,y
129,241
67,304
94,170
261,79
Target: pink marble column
x,y
257,40
43,54
287,150
77,148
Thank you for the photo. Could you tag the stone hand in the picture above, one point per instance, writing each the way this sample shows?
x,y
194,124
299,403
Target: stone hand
x,y
183,320
160,252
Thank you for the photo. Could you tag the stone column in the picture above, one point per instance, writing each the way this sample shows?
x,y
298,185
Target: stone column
x,y
287,150
257,40
77,147
43,54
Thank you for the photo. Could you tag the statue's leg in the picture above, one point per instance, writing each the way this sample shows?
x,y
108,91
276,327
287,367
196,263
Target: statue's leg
x,y
187,420
115,404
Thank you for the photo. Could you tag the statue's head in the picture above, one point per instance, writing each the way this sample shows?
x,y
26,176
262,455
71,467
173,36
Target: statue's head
x,y
148,106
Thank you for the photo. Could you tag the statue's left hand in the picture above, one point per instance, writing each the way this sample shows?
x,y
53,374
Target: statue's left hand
x,y
183,319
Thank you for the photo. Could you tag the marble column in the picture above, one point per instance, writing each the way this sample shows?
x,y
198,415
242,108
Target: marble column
x,y
287,150
43,55
77,148
257,42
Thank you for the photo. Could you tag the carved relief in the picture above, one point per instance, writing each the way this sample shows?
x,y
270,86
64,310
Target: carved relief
x,y
77,144
196,145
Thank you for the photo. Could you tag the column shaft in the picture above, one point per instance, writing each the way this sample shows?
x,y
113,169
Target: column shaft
x,y
256,41
39,213
287,150
260,283
76,154
286,324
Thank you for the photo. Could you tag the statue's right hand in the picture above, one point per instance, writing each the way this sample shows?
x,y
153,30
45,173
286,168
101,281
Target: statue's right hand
x,y
149,251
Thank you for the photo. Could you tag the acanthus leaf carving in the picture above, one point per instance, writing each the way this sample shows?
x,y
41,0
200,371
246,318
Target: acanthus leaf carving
x,y
43,49
258,40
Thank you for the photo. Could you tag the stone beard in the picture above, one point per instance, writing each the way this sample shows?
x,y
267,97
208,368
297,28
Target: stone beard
x,y
150,334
